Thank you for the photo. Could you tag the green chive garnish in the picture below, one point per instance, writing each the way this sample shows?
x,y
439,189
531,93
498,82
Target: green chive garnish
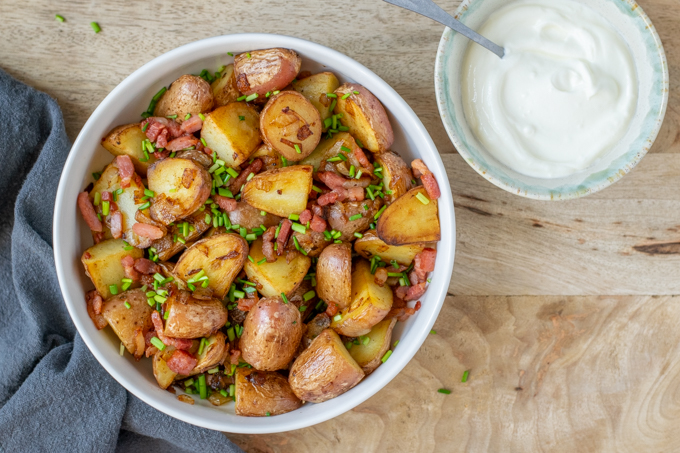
x,y
386,356
444,391
433,332
285,299
422,198
158,343
297,149
95,26
241,118
465,376
60,19
346,96
252,97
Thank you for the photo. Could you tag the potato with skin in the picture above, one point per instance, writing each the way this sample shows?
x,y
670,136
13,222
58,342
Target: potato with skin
x,y
409,221
188,94
369,356
371,245
281,192
224,88
397,175
250,217
315,88
270,158
181,186
365,116
189,317
271,334
214,353
340,213
267,70
233,132
102,264
311,242
263,393
330,147
167,246
163,374
370,303
221,256
291,125
278,277
128,323
334,274
324,370
126,140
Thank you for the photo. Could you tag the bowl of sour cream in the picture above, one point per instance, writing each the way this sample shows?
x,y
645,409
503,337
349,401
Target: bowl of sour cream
x,y
574,104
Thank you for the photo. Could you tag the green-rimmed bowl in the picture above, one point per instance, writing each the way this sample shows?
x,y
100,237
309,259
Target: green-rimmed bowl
x,y
652,72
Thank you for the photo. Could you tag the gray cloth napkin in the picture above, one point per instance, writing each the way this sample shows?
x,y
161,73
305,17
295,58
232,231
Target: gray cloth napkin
x,y
54,395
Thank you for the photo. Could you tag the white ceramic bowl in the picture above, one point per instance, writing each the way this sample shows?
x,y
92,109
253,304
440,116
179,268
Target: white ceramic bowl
x,y
71,235
637,30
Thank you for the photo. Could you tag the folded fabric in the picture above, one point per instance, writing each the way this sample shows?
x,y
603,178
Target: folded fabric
x,y
54,395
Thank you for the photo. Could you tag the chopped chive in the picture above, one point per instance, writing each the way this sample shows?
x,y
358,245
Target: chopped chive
x,y
202,388
349,345
201,346
105,207
201,116
366,340
251,237
444,391
361,145
316,189
433,332
158,343
262,261
113,289
121,350
127,305
358,235
230,54
297,149
267,413
337,317
252,97
299,228
395,344
285,299
355,92
214,370
386,356
284,162
250,176
230,334
233,173
379,212
331,95
146,205
355,217
187,116
276,92
330,109
61,19
149,193
309,295
465,376
294,217
95,26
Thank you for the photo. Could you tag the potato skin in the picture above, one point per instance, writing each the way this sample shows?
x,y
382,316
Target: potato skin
x,y
126,322
271,334
397,175
311,242
408,221
224,89
324,370
334,274
166,247
250,217
340,212
262,393
214,353
262,71
193,318
365,116
270,158
371,245
188,94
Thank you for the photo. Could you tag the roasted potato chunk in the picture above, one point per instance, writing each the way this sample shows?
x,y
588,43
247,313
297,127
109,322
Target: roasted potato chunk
x,y
371,245
267,70
365,116
369,356
324,370
315,88
220,256
340,213
278,277
334,274
311,242
193,318
163,374
214,353
167,246
330,147
262,393
269,157
181,187
397,175
250,217
410,221
188,94
281,192
127,140
271,334
102,264
224,88
370,303
126,322
291,125
233,132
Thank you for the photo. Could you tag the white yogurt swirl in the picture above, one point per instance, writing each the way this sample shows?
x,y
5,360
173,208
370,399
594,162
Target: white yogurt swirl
x,y
561,97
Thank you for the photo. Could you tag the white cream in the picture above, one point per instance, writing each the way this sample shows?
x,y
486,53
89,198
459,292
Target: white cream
x,y
561,97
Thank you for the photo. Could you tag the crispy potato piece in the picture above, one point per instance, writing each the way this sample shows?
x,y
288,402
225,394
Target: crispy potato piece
x,y
189,182
213,353
369,356
271,334
197,156
224,89
370,303
291,125
371,245
324,370
330,147
314,328
409,221
193,318
262,393
340,212
311,242
269,157
127,323
397,175
267,70
315,88
277,277
334,274
188,94
221,256
127,140
163,374
365,116
249,217
281,192
167,247
102,264
232,138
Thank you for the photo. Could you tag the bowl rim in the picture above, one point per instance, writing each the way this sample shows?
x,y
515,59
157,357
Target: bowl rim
x,y
547,194
412,128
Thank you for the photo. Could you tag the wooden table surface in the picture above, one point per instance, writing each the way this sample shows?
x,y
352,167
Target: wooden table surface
x,y
563,311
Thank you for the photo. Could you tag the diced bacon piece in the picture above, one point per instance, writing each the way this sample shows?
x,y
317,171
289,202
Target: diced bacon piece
x,y
157,123
246,304
182,362
305,216
126,170
429,181
107,196
424,263
234,356
400,292
147,231
361,157
208,151
254,168
88,212
284,232
193,124
179,343
317,210
94,304
380,276
146,266
413,277
98,236
228,204
153,130
332,309
328,198
162,140
180,143
117,224
415,291
331,179
128,263
356,194
268,244
318,224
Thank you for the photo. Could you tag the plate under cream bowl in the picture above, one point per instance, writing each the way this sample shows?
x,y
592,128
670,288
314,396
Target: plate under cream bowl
x,y
634,26
71,235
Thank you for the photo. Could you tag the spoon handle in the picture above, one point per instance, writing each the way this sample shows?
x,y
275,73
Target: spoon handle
x,y
430,9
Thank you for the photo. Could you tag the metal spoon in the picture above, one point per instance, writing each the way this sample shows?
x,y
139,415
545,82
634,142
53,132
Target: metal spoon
x,y
430,9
